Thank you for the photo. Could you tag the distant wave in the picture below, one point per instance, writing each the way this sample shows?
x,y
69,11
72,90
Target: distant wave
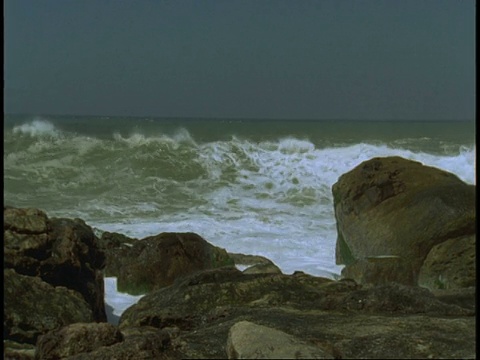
x,y
37,127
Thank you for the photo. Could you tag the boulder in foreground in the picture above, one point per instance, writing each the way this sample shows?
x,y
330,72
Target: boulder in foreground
x,y
391,212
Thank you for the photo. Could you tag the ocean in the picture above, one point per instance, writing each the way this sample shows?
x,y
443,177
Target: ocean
x,y
258,186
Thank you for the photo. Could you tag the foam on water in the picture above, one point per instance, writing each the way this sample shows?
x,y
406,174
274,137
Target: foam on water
x,y
270,197
117,300
38,127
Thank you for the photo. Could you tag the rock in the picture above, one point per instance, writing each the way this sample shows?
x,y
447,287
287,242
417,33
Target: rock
x,y
18,351
104,341
254,264
397,207
156,261
75,339
247,340
25,221
379,270
111,240
263,269
243,259
332,315
117,249
199,297
62,252
32,307
463,297
450,265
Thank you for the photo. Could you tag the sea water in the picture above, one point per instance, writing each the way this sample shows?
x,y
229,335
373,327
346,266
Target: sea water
x,y
258,186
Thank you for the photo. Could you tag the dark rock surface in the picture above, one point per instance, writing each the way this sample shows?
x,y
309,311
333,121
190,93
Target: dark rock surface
x,y
62,252
342,318
247,340
75,339
156,261
393,206
104,341
255,264
52,277
450,265
33,307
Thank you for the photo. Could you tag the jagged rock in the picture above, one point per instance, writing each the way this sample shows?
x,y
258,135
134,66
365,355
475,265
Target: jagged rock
x,y
190,301
75,339
393,206
247,340
156,261
62,252
32,307
332,315
111,240
103,341
117,248
450,265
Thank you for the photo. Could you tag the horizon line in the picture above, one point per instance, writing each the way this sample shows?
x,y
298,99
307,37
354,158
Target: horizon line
x,y
234,118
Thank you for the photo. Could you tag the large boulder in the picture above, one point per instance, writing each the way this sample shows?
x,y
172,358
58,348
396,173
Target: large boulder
x,y
391,212
62,252
156,261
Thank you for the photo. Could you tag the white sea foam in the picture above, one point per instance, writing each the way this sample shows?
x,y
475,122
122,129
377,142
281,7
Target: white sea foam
x,y
37,127
117,300
271,198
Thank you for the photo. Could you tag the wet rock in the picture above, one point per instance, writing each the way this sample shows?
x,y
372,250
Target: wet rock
x,y
396,207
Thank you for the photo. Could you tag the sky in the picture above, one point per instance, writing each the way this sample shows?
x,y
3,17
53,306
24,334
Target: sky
x,y
295,59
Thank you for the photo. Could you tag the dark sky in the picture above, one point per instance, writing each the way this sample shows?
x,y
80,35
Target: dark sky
x,y
241,59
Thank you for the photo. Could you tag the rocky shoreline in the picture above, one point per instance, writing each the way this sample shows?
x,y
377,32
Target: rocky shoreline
x,y
406,234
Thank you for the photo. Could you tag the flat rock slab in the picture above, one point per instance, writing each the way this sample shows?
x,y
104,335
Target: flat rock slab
x,y
247,340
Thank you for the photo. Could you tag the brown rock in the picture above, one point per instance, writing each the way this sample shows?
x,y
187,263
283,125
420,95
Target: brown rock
x,y
32,307
106,342
396,207
156,261
450,265
342,318
247,340
62,252
75,339
263,269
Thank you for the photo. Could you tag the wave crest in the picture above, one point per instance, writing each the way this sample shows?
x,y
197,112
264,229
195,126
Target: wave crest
x,y
37,128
